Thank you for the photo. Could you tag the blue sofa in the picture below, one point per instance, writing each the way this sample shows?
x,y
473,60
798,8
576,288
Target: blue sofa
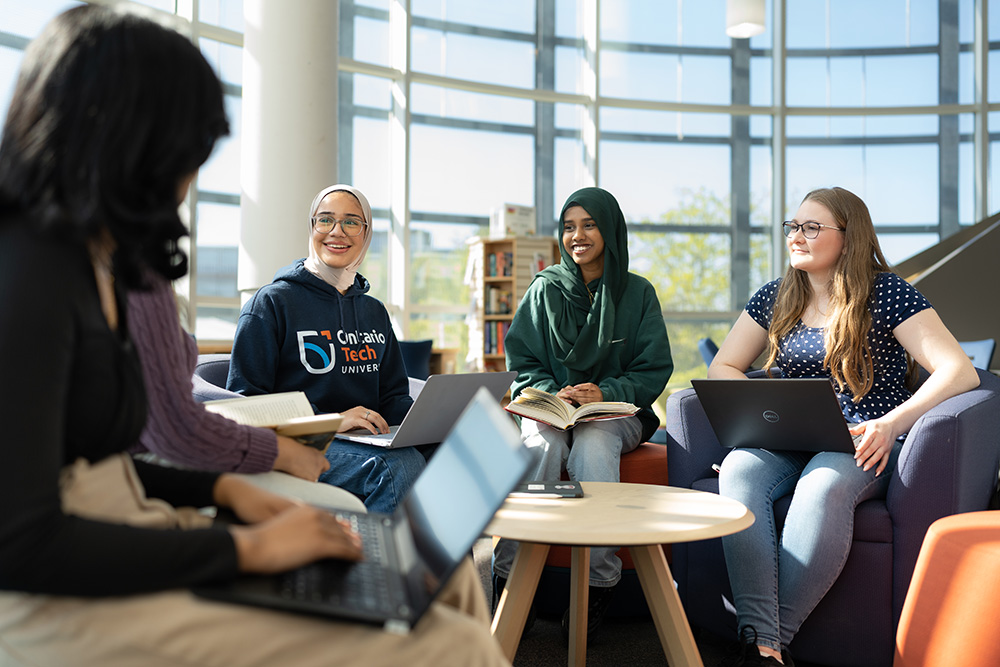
x,y
949,464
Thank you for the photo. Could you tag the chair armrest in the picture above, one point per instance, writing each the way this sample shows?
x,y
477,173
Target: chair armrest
x,y
692,447
203,390
948,465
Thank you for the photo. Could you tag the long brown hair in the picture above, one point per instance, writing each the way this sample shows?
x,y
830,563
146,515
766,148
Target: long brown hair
x,y
848,356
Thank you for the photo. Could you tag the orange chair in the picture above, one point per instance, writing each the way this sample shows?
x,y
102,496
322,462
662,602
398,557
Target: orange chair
x,y
949,615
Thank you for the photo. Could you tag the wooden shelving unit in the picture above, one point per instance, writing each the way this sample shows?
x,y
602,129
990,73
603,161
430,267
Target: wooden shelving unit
x,y
502,271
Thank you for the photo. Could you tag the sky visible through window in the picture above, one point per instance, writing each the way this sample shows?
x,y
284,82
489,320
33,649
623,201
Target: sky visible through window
x,y
653,160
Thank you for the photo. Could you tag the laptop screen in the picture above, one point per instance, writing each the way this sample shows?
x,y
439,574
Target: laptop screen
x,y
464,484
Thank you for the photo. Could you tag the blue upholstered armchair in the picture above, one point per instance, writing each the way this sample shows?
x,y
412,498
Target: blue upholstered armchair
x,y
949,464
209,379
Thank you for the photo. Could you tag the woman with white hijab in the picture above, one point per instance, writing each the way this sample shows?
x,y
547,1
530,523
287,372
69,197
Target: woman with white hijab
x,y
315,329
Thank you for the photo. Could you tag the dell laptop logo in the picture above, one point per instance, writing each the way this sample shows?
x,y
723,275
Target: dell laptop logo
x,y
771,416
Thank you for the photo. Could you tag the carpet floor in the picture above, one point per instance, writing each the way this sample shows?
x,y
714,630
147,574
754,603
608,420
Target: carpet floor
x,y
621,641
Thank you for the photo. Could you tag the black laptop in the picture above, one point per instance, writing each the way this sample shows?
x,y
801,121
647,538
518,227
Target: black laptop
x,y
799,414
410,555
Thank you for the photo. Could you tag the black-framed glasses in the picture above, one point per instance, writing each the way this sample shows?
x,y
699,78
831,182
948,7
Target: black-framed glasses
x,y
324,224
810,230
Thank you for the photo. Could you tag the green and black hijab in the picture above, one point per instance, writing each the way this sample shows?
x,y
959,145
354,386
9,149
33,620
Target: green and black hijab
x,y
582,331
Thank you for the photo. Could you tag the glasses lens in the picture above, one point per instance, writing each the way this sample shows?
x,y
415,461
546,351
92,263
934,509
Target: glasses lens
x,y
788,228
325,225
810,230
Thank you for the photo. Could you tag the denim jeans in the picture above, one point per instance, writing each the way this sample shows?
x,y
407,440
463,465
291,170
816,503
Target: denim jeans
x,y
589,452
380,477
778,580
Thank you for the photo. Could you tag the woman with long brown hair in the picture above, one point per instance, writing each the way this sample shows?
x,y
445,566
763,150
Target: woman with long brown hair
x,y
838,312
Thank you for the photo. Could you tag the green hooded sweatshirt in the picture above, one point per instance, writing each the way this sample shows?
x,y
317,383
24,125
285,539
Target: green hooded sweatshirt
x,y
619,342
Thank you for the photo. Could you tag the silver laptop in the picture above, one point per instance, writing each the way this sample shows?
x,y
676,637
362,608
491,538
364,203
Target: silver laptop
x,y
798,414
410,555
435,410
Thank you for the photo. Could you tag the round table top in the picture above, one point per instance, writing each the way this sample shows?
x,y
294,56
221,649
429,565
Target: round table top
x,y
621,514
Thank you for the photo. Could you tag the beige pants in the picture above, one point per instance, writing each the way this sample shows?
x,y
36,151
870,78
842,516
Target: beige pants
x,y
173,628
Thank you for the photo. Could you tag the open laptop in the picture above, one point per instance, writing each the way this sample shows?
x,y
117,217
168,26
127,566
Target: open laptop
x,y
409,555
435,410
799,414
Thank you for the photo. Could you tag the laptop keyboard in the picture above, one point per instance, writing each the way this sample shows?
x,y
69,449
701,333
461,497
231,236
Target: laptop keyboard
x,y
363,585
363,436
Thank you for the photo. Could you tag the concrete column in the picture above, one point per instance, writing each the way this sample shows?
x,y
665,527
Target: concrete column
x,y
398,250
591,11
289,138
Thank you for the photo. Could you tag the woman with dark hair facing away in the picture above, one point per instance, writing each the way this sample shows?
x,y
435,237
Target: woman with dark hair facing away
x,y
840,313
587,330
111,117
316,329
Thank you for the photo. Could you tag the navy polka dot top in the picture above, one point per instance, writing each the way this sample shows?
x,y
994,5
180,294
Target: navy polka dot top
x,y
802,350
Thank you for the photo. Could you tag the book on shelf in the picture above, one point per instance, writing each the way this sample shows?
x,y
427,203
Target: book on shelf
x,y
288,413
550,409
498,300
500,264
539,262
547,489
493,335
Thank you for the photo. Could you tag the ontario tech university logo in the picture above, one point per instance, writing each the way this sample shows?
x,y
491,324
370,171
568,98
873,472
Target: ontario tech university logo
x,y
326,354
318,351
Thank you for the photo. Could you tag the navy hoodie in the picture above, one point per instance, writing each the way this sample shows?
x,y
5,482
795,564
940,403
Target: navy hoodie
x,y
300,334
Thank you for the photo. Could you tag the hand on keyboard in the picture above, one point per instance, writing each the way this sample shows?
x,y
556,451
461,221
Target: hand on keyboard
x,y
298,536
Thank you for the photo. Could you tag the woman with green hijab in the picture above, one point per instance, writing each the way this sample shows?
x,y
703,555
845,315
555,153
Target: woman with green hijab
x,y
588,330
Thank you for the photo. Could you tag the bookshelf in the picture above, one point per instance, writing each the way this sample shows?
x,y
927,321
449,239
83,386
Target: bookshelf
x,y
502,270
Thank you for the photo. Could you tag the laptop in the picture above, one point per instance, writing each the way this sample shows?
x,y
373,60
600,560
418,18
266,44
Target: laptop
x,y
409,555
798,414
435,410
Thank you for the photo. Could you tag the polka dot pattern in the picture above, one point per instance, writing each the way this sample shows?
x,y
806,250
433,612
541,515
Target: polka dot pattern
x,y
801,352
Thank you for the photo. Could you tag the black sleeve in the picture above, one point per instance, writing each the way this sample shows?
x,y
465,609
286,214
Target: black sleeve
x,y
191,488
43,550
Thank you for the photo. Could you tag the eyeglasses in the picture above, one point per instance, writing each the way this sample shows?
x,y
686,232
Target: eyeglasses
x,y
810,230
324,224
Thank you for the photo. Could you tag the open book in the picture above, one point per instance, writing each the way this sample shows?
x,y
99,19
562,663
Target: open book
x,y
552,410
288,413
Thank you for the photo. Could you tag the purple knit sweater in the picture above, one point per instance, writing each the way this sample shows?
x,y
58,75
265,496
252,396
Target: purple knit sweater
x,y
179,428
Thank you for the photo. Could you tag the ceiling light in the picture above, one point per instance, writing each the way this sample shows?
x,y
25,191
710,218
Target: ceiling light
x,y
744,18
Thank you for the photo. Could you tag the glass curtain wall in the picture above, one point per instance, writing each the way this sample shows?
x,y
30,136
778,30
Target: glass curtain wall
x,y
708,142
450,108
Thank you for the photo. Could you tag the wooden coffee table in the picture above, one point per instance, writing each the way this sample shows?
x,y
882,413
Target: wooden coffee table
x,y
637,516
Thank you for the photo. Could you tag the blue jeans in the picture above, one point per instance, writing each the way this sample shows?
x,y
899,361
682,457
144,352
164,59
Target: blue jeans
x,y
380,477
589,452
778,580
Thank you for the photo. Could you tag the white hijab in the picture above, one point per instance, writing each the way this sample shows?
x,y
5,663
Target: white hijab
x,y
340,279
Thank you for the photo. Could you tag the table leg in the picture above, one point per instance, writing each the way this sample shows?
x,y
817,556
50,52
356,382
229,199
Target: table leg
x,y
512,609
579,597
665,605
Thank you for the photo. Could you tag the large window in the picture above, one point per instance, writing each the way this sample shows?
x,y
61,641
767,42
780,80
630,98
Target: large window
x,y
708,143
705,141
